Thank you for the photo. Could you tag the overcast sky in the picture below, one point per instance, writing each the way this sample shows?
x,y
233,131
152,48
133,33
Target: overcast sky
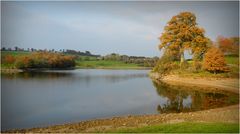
x,y
130,28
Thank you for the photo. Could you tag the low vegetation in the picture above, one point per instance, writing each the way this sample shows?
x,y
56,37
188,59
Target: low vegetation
x,y
186,127
38,60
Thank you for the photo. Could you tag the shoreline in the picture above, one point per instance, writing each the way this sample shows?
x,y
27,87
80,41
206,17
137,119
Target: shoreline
x,y
226,84
229,114
9,70
117,68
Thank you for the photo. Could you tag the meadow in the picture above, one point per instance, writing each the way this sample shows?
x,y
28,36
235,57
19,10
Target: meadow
x,y
186,127
81,62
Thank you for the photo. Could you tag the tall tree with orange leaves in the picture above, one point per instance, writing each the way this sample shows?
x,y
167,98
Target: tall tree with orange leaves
x,y
181,33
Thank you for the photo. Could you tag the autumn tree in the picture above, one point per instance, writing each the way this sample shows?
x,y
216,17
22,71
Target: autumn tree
x,y
228,45
9,59
214,61
181,33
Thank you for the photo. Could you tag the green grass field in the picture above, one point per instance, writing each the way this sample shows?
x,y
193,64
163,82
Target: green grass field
x,y
105,64
14,53
234,60
186,127
231,61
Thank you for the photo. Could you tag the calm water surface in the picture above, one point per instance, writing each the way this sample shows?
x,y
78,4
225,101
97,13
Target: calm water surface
x,y
56,97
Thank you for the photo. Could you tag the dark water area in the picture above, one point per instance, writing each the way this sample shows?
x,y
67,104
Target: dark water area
x,y
40,99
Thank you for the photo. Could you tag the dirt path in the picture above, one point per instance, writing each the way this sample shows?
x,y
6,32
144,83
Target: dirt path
x,y
227,114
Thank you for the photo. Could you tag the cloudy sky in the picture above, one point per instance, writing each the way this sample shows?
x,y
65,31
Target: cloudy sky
x,y
130,28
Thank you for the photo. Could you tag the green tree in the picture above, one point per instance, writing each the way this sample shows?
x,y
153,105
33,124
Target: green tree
x,y
181,33
165,65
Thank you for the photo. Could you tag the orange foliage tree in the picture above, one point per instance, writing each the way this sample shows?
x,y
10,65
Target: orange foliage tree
x,y
181,33
228,45
8,59
214,61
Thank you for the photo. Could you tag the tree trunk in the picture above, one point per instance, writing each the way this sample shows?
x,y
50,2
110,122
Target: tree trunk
x,y
182,57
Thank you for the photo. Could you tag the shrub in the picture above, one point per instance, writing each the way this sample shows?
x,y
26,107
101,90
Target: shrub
x,y
8,59
184,65
214,61
23,62
165,65
45,60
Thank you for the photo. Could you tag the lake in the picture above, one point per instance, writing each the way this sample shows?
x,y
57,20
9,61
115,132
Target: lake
x,y
39,99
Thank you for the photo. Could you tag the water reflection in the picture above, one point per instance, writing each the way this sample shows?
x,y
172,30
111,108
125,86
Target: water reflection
x,y
89,76
39,99
30,75
179,98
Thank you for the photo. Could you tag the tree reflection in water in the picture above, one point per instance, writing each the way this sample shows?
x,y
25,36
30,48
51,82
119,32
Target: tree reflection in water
x,y
87,77
30,75
191,98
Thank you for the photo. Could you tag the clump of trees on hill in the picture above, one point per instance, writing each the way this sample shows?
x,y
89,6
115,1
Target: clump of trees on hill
x,y
74,52
140,60
38,60
229,46
65,51
182,33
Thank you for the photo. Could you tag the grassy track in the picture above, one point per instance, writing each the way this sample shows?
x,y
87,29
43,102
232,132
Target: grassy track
x,y
186,127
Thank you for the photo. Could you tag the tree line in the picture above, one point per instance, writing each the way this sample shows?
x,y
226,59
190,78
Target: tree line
x,y
65,51
140,60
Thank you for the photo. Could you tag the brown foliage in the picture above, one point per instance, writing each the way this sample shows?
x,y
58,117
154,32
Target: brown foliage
x,y
8,59
214,61
45,60
228,45
182,32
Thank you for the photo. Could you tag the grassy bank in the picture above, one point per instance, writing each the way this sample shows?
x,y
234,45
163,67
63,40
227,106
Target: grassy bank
x,y
185,127
106,64
231,61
